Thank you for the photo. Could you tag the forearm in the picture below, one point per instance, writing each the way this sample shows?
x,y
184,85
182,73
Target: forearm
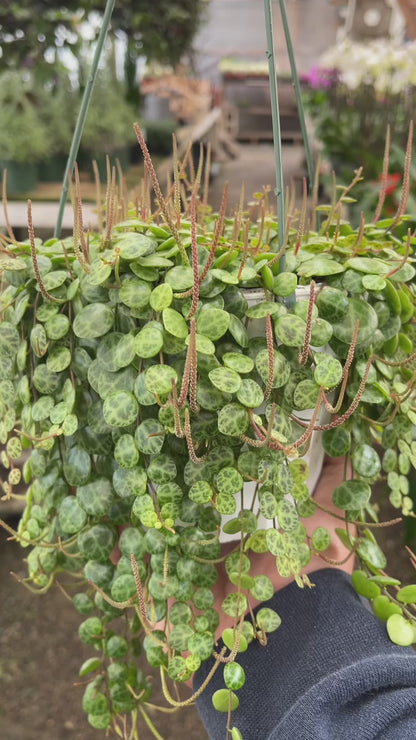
x,y
329,671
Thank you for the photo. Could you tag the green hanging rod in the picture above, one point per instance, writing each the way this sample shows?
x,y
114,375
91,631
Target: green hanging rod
x,y
79,126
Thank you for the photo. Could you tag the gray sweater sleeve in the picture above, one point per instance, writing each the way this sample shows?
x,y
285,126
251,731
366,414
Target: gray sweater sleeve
x,y
329,672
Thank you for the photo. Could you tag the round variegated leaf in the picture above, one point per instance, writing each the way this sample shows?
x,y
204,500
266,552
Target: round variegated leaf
x,y
332,303
57,326
225,379
42,408
281,368
144,397
174,323
238,331
54,279
290,330
374,282
369,265
321,332
93,321
132,245
268,620
212,323
351,494
233,420
38,340
120,409
268,504
250,393
9,338
59,358
98,542
72,516
135,293
77,466
328,371
162,469
283,479
238,362
180,278
106,351
124,351
306,394
96,497
99,272
200,492
336,442
366,461
225,504
203,344
159,379
320,265
148,342
161,297
69,425
287,516
149,437
284,284
209,397
130,482
262,590
260,310
358,310
228,480
126,453
45,381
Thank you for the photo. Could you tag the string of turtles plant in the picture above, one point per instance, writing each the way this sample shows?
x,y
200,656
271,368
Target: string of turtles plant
x,y
136,402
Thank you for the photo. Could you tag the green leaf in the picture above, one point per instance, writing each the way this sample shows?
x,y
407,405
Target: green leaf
x,y
161,297
174,323
132,245
328,371
400,630
351,494
365,461
281,368
233,420
407,594
290,330
321,266
363,586
238,362
268,620
89,666
212,323
234,605
250,394
93,321
159,379
224,700
72,516
234,676
358,310
120,409
225,379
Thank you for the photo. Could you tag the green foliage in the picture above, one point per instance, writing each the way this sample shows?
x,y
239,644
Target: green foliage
x,y
160,412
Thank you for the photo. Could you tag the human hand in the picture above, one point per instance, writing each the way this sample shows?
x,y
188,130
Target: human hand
x,y
336,555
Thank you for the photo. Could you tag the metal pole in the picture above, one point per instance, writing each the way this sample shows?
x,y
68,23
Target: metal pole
x,y
279,192
79,127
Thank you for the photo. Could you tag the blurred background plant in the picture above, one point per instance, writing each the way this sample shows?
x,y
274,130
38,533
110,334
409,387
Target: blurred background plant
x,y
351,96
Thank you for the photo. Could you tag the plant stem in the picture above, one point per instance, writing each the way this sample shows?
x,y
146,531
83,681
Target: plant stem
x,y
79,126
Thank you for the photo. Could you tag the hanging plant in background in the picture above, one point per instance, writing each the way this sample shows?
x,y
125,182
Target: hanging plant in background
x,y
142,401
